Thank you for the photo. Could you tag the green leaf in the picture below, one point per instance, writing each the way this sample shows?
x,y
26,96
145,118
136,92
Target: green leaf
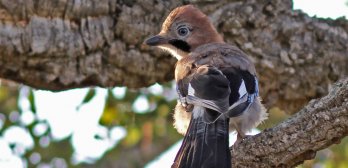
x,y
90,94
31,99
133,136
110,115
3,93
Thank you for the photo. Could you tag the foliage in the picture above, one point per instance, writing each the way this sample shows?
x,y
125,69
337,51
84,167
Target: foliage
x,y
148,132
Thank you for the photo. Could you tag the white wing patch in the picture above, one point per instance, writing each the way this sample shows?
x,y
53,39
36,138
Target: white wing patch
x,y
242,89
190,90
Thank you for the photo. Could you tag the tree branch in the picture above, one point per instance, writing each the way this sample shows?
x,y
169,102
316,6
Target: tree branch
x,y
319,124
60,45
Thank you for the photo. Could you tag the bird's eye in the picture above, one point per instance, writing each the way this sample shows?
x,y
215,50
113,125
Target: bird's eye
x,y
183,31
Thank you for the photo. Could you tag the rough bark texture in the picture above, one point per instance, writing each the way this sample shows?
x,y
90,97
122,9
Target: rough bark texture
x,y
64,44
60,44
320,124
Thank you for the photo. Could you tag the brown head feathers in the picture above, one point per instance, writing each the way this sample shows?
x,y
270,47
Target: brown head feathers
x,y
186,13
184,29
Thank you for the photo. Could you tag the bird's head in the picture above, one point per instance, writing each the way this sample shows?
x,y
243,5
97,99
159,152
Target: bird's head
x,y
184,29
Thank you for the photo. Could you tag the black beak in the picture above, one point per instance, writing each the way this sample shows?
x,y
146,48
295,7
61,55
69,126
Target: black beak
x,y
156,40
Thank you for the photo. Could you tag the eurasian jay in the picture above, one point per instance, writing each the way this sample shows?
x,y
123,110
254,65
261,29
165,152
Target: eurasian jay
x,y
217,88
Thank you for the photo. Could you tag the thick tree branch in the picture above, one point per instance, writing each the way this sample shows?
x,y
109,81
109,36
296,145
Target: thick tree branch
x,y
60,45
321,123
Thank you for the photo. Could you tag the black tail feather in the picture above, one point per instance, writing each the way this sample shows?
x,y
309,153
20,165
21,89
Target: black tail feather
x,y
205,145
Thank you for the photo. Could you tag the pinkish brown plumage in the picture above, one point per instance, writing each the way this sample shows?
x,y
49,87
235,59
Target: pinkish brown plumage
x,y
204,32
217,86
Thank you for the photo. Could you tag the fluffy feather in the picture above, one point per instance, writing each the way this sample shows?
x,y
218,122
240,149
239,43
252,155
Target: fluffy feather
x,y
202,54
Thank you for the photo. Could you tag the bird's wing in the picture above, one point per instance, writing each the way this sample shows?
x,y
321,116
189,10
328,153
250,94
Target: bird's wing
x,y
244,90
206,141
206,87
238,69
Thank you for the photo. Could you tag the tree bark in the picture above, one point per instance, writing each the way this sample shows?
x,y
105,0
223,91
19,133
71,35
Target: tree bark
x,y
59,45
319,124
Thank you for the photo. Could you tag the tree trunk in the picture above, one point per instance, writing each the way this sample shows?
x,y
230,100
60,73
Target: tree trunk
x,y
60,44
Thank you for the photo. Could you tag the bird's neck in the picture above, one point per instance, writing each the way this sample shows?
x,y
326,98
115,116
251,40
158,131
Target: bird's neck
x,y
177,53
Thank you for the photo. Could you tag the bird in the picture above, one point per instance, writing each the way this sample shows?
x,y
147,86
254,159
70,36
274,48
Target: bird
x,y
217,88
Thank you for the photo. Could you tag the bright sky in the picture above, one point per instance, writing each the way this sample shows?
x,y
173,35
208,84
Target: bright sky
x,y
64,118
323,8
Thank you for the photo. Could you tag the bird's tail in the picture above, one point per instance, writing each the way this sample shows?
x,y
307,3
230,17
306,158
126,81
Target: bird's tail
x,y
205,145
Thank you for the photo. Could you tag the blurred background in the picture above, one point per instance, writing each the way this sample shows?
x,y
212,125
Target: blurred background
x,y
114,127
